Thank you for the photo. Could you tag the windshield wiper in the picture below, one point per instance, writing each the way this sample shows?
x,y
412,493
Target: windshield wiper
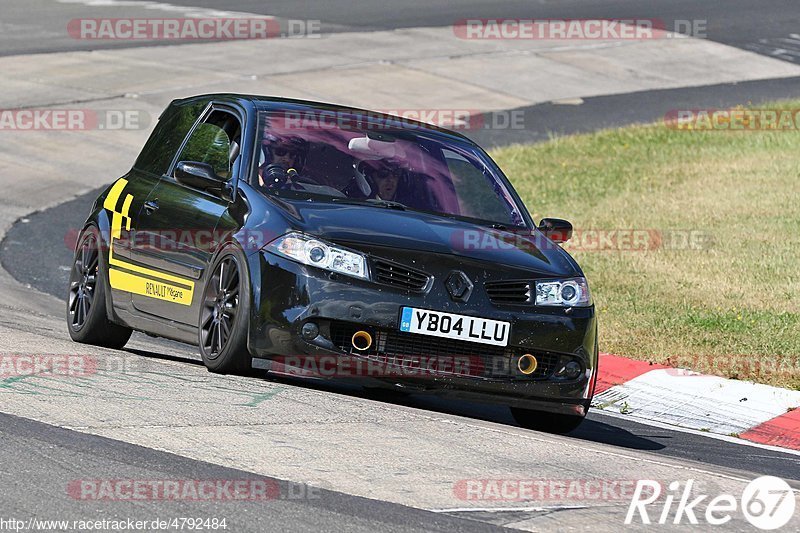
x,y
387,204
371,201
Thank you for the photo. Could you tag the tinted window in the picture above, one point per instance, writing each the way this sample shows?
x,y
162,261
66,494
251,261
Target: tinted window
x,y
166,139
208,144
331,157
211,143
479,195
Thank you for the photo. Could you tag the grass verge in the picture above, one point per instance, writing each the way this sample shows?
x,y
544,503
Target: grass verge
x,y
717,287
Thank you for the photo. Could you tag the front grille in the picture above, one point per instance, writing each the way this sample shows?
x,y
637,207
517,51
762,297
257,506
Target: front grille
x,y
399,349
509,292
399,276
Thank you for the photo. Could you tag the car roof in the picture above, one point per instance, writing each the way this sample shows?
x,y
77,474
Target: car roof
x,y
274,103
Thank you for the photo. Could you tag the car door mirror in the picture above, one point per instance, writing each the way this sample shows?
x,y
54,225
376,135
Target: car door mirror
x,y
556,229
201,176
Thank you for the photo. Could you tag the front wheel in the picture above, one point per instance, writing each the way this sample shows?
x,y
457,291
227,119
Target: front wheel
x,y
87,318
224,315
549,422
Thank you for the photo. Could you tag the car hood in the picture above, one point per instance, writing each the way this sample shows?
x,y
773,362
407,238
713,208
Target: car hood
x,y
368,227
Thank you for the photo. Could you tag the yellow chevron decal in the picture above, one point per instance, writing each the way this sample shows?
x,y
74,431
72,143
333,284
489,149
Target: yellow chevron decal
x,y
143,285
114,193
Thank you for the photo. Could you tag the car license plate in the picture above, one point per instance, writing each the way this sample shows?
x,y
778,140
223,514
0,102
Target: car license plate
x,y
451,326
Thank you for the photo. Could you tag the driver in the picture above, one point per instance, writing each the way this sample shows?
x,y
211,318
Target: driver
x,y
283,156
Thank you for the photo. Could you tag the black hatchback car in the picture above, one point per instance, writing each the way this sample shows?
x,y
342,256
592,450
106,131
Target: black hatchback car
x,y
329,242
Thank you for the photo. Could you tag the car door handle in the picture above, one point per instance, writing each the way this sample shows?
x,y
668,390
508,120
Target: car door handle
x,y
150,206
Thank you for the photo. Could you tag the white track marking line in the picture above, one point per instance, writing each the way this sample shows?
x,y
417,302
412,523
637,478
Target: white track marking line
x,y
508,509
189,11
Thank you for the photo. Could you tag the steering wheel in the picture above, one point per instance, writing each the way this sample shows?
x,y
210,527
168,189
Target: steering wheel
x,y
276,177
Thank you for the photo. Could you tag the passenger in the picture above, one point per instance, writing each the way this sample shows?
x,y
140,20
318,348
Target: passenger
x,y
389,179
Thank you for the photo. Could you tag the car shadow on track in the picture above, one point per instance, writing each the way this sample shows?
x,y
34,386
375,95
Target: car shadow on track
x,y
590,430
163,356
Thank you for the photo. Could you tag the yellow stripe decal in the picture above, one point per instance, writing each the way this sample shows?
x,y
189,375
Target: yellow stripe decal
x,y
150,288
116,226
128,282
148,272
113,194
125,208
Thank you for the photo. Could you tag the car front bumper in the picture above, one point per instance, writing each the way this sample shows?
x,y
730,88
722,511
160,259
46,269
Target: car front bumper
x,y
287,295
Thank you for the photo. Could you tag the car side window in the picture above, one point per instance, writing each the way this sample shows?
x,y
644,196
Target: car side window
x,y
167,137
215,142
476,197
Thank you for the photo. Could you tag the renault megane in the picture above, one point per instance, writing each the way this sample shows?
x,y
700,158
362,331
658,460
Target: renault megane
x,y
333,241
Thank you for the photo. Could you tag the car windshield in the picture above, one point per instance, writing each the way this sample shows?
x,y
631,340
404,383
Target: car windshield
x,y
330,157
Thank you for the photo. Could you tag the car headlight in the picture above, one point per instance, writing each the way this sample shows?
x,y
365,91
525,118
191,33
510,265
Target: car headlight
x,y
572,292
315,252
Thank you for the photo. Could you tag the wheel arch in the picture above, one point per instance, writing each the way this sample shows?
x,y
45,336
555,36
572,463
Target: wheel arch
x,y
100,221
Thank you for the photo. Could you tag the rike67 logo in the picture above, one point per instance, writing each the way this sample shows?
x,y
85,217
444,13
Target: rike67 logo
x,y
766,502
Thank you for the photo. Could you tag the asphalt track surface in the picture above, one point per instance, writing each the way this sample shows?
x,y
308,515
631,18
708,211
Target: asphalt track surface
x,y
48,456
765,26
48,459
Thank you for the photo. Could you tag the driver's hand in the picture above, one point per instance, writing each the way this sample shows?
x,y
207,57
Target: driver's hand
x,y
292,176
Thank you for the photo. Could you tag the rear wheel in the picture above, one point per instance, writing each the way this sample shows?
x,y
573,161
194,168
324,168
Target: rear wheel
x,y
549,422
87,318
224,315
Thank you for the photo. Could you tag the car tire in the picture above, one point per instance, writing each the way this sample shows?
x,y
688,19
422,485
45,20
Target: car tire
x,y
549,422
87,316
224,312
